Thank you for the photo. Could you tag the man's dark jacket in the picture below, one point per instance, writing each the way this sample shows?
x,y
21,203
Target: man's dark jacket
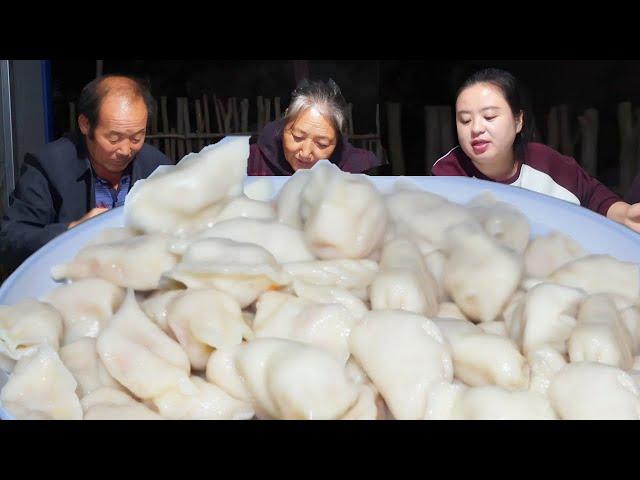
x,y
56,187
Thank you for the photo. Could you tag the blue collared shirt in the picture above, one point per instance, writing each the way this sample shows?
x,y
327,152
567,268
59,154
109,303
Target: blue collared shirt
x,y
108,197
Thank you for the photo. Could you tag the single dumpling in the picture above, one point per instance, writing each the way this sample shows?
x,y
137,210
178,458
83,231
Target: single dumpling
x,y
108,403
545,315
172,196
545,254
27,325
41,387
82,360
594,391
281,315
600,274
140,356
242,270
487,359
284,379
137,262
236,207
600,335
404,355
353,275
340,296
210,402
502,221
495,403
204,319
404,282
288,201
86,306
480,274
343,215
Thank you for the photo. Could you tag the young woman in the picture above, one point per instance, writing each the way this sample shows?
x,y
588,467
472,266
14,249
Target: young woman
x,y
495,144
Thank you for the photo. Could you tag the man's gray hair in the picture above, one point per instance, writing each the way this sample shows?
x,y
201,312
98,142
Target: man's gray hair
x,y
324,97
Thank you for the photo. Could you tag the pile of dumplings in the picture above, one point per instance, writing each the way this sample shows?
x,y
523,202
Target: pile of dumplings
x,y
330,301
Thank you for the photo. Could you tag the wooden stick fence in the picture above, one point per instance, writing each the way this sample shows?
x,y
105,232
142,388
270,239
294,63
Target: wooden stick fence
x,y
201,121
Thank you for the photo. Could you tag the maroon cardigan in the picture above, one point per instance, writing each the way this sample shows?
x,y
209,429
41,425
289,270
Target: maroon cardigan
x,y
560,169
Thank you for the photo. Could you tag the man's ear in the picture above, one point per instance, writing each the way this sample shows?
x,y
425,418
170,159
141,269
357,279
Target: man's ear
x,y
83,123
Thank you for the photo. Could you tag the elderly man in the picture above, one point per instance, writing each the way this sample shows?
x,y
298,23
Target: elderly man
x,y
82,174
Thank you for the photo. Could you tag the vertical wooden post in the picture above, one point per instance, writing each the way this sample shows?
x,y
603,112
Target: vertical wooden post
x,y
260,108
379,152
267,111
447,141
217,103
627,145
553,129
173,156
207,120
154,124
244,115
199,123
566,137
432,137
165,127
187,126
276,106
235,116
226,115
395,138
589,144
180,128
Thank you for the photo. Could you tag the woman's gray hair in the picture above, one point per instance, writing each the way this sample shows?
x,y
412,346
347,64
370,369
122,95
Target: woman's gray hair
x,y
324,96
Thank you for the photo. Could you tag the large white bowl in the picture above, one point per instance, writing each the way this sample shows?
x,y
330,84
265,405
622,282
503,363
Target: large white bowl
x,y
594,232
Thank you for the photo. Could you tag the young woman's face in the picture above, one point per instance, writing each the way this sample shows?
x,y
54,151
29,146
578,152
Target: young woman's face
x,y
486,125
307,139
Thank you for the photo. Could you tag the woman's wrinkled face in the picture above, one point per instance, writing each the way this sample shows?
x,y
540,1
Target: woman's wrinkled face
x,y
307,139
486,125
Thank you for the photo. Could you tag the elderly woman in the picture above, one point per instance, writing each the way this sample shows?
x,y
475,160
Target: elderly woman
x,y
311,130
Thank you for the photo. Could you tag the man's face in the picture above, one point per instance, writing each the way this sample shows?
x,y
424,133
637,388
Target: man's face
x,y
119,133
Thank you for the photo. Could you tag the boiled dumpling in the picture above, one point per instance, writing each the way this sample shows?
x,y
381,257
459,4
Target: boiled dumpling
x,y
320,294
343,215
404,355
242,270
169,199
210,402
480,275
86,306
108,403
545,254
82,360
404,282
600,274
27,325
600,335
502,221
136,263
281,315
594,391
41,387
140,356
349,274
546,316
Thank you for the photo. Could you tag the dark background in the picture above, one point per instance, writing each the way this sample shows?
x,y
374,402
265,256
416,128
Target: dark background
x,y
414,83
